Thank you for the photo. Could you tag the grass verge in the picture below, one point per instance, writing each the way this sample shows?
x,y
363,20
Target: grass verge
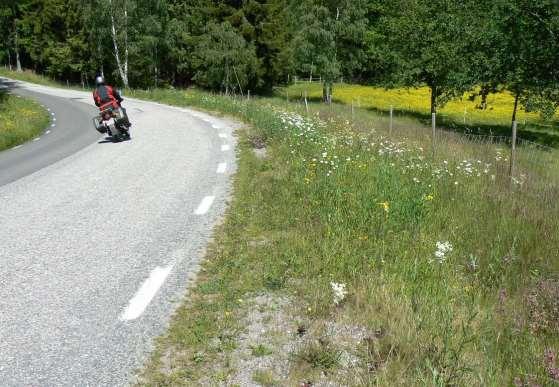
x,y
21,119
28,76
447,279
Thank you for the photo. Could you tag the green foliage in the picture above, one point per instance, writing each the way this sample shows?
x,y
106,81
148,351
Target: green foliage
x,y
224,60
448,45
428,41
315,44
530,60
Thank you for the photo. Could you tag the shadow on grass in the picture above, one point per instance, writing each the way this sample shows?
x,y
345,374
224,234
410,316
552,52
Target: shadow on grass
x,y
541,137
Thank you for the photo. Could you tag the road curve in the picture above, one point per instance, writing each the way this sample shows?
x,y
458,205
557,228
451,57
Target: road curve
x,y
98,248
66,133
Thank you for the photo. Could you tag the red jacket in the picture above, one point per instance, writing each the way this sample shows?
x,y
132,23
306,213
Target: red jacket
x,y
104,95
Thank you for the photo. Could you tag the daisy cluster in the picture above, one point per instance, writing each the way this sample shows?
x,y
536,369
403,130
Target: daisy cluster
x,y
443,249
338,148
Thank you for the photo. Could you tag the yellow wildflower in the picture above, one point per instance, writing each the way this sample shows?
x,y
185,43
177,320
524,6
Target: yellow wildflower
x,y
385,206
428,197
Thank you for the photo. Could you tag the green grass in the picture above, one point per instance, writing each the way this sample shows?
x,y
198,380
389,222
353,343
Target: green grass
x,y
21,119
462,114
261,350
28,76
338,201
264,378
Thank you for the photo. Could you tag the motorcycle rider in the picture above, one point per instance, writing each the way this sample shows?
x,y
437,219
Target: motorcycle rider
x,y
104,94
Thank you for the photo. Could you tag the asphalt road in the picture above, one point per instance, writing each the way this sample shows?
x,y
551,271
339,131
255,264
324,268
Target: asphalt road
x,y
65,135
99,241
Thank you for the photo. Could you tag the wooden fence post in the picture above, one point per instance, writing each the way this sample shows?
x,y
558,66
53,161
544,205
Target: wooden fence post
x,y
391,119
434,127
513,150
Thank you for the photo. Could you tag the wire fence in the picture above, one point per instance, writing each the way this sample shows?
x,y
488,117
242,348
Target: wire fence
x,y
524,161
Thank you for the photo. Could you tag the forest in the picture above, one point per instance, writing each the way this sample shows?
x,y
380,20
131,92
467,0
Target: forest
x,y
451,46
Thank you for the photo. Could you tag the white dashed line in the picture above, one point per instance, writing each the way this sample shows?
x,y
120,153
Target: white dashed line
x,y
222,167
53,125
145,294
52,114
54,119
204,205
222,135
17,146
225,148
36,138
48,109
47,132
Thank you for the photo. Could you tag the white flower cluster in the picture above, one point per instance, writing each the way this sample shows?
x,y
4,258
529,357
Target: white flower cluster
x,y
304,127
339,291
335,150
443,248
499,155
519,180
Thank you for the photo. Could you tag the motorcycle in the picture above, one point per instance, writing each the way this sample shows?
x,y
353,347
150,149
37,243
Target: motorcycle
x,y
112,121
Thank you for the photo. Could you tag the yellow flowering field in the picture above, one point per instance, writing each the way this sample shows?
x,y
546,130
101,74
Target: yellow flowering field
x,y
416,100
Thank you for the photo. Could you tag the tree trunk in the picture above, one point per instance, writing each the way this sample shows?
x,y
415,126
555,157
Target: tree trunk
x,y
122,67
155,69
516,97
100,58
18,62
484,92
126,43
513,141
326,91
433,99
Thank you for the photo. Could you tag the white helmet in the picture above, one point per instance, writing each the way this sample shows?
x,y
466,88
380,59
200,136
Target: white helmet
x,y
99,80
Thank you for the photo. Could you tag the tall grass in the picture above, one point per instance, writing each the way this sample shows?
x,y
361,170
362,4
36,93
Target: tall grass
x,y
462,113
339,200
28,76
21,119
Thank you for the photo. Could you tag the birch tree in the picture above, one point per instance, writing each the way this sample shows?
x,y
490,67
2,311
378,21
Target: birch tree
x,y
120,33
9,20
315,44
